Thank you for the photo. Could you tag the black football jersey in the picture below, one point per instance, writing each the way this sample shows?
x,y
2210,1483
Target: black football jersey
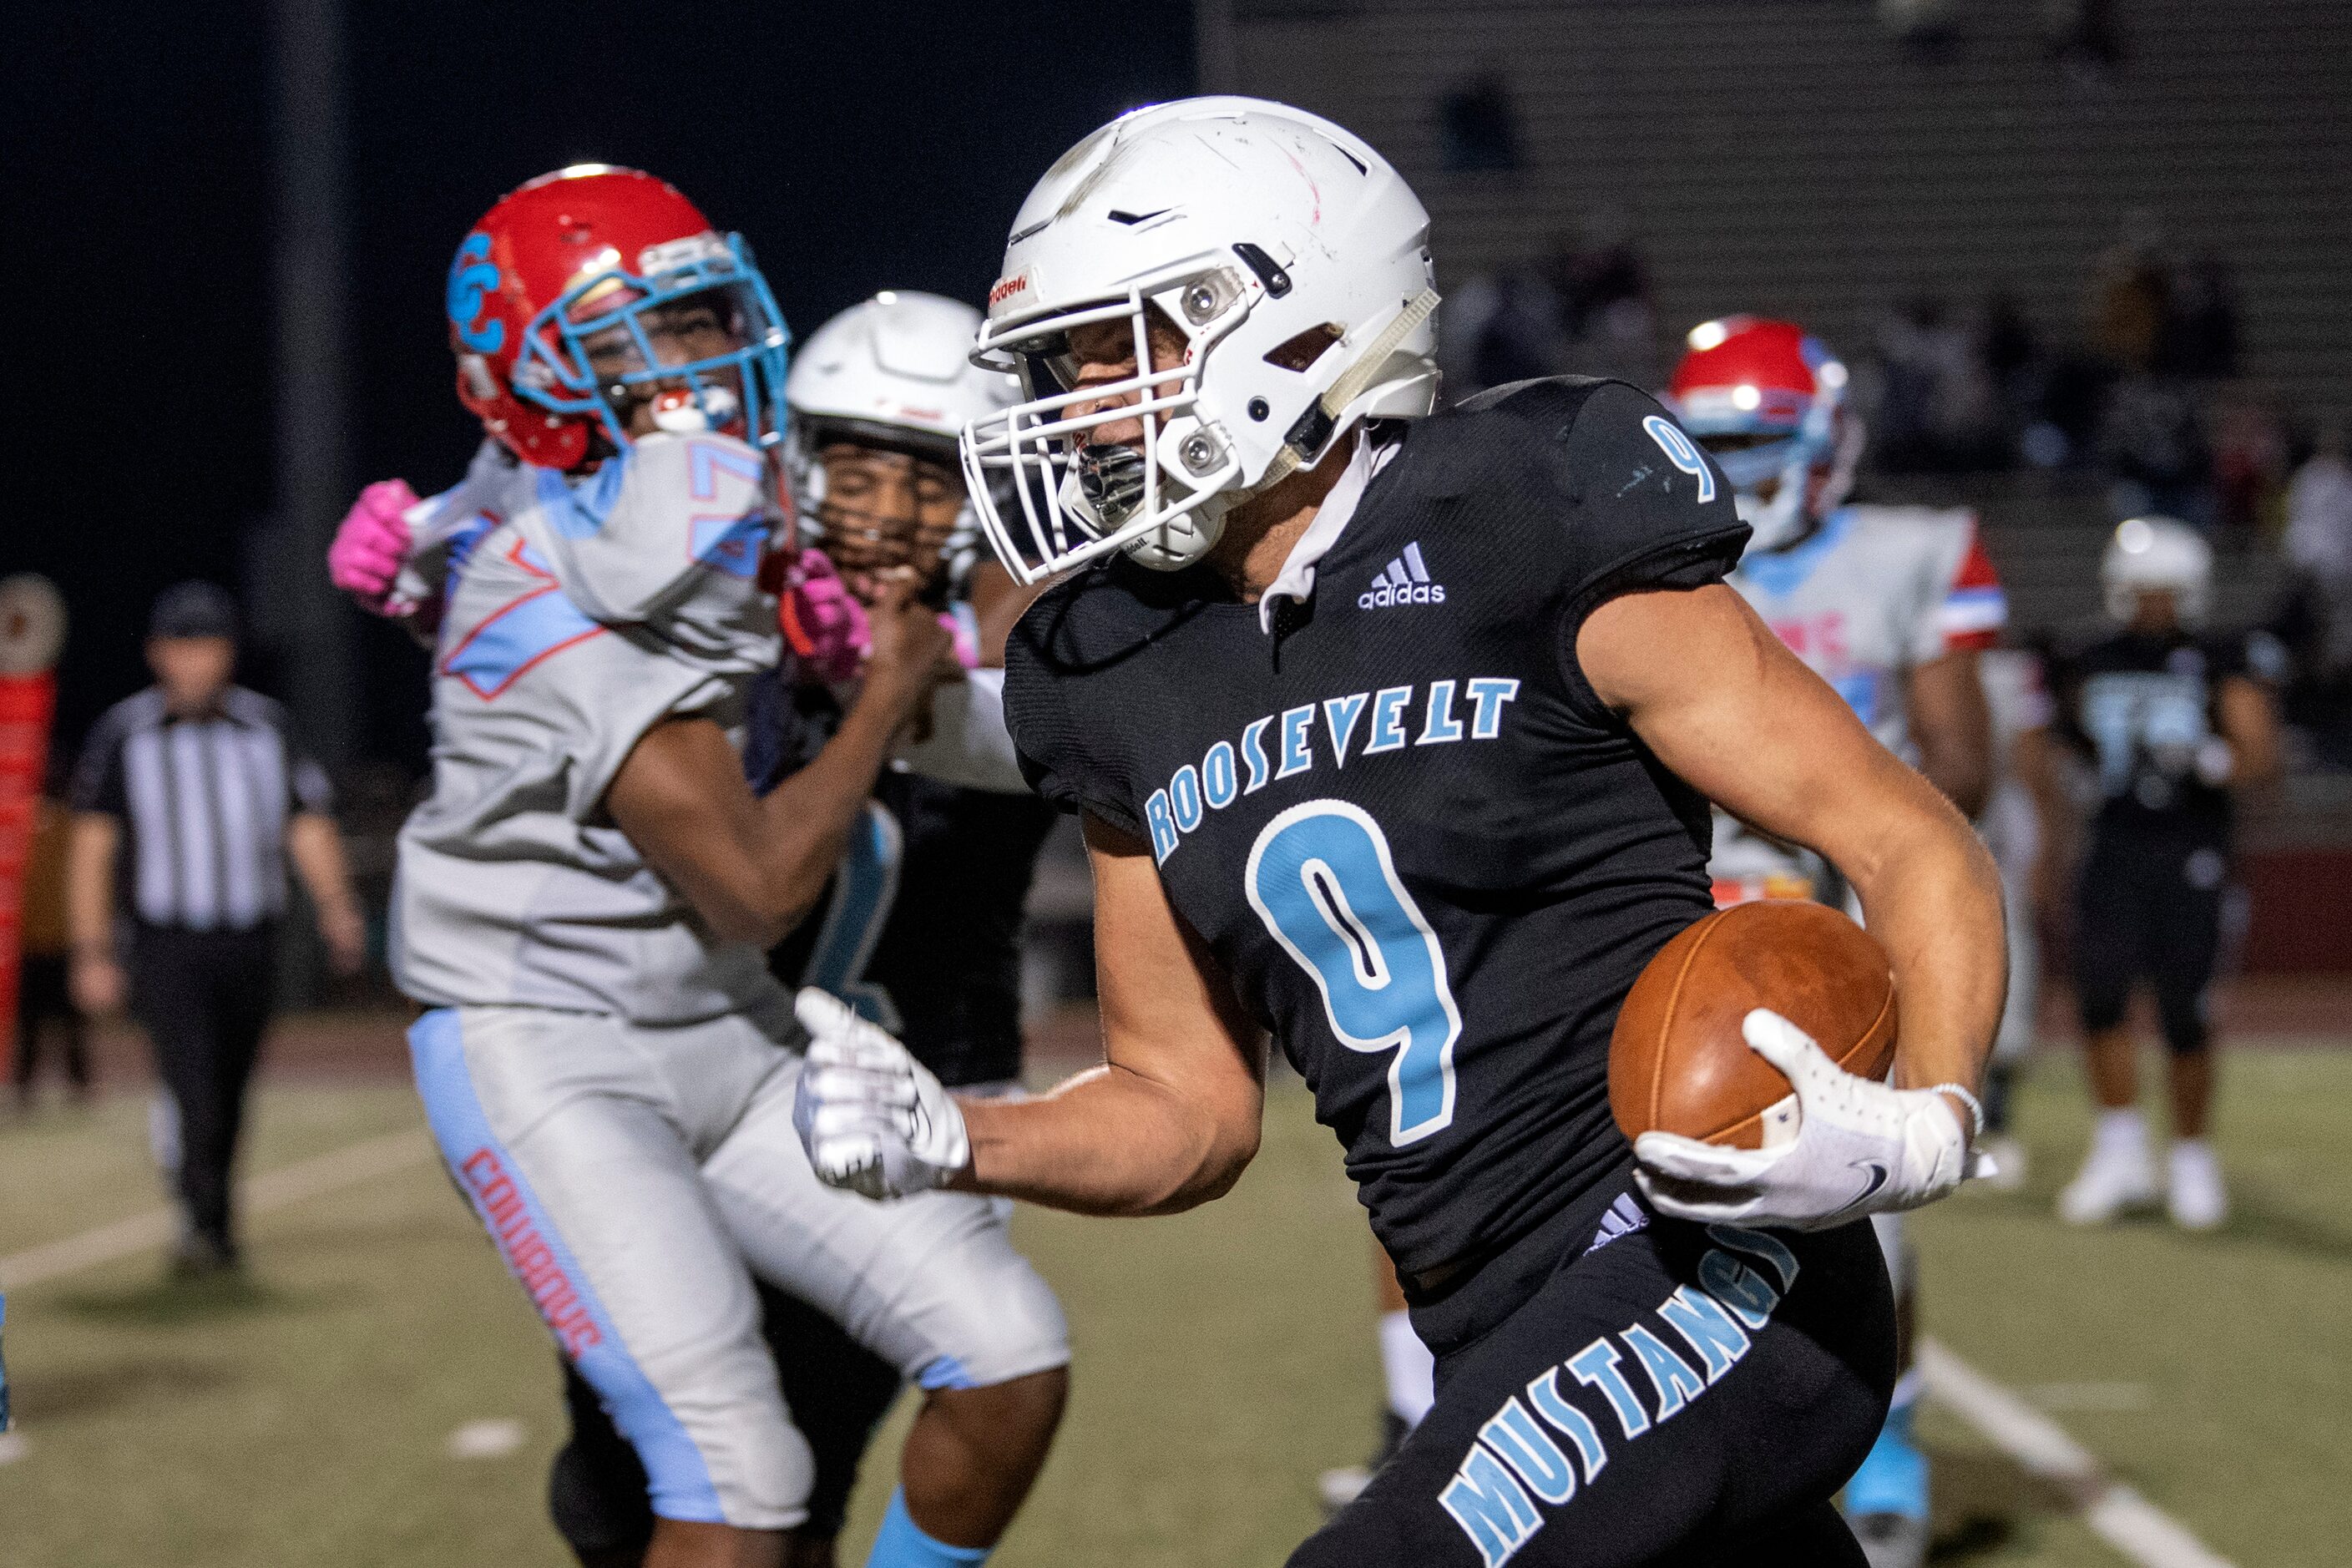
x,y
920,930
948,957
1428,857
2144,711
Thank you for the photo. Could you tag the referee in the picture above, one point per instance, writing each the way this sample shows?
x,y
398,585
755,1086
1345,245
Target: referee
x,y
189,800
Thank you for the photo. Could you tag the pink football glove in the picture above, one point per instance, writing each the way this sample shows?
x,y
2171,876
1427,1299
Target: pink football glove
x,y
365,559
966,632
822,622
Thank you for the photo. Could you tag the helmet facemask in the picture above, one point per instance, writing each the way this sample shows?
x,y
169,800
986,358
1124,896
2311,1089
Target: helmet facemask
x,y
1289,264
879,395
1783,484
904,504
700,340
1161,498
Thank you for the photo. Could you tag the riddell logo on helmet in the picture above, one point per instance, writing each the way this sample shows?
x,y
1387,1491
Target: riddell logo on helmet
x,y
672,254
1404,581
1006,288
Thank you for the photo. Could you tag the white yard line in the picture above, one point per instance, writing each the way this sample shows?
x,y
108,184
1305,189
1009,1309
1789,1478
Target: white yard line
x,y
278,1189
2119,1516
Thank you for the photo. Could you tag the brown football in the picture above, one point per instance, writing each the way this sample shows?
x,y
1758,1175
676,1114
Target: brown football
x,y
1676,1060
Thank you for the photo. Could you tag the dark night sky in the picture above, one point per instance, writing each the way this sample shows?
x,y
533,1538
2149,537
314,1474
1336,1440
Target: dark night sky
x,y
856,146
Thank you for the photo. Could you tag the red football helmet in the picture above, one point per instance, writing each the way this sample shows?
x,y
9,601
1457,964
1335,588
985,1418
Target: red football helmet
x,y
596,254
1767,401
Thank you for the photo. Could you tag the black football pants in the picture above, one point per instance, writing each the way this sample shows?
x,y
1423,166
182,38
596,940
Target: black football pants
x,y
2148,910
204,998
1667,1393
42,997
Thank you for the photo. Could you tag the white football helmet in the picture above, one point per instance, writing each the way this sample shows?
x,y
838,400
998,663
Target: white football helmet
x,y
1263,235
2156,553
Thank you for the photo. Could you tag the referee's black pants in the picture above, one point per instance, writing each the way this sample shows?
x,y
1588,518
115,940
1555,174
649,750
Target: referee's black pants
x,y
204,997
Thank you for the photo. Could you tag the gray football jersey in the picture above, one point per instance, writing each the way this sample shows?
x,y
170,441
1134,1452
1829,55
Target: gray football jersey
x,y
1874,593
580,612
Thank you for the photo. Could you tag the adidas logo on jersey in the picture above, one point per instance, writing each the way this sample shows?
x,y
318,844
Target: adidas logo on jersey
x,y
1404,581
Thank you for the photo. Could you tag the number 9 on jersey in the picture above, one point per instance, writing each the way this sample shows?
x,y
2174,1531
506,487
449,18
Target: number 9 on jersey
x,y
1321,877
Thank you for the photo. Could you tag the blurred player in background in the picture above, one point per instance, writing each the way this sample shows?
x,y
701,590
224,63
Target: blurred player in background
x,y
2175,722
44,999
2028,824
1391,732
1408,1385
585,900
921,925
1891,605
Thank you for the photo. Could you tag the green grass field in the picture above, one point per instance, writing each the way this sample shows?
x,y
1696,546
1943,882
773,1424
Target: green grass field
x,y
1224,1358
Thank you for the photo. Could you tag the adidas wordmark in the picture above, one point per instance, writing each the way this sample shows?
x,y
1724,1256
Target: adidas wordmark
x,y
1404,581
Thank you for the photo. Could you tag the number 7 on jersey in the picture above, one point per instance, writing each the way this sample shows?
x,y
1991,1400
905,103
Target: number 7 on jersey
x,y
1321,877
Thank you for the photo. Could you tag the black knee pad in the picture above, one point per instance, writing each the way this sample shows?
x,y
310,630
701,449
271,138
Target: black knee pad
x,y
2182,1017
597,1487
837,1391
2000,1088
2100,1000
2188,949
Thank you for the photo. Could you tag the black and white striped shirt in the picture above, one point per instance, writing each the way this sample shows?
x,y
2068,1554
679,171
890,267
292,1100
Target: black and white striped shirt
x,y
205,801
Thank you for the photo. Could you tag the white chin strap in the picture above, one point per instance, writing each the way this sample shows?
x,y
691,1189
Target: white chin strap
x,y
1184,540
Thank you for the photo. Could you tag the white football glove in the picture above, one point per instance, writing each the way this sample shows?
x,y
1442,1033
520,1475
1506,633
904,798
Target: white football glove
x,y
1861,1147
873,1119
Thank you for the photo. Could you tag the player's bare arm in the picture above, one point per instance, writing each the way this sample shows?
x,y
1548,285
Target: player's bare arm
x,y
754,866
2249,722
315,848
1168,1122
95,976
1730,709
1172,1118
2034,761
1952,726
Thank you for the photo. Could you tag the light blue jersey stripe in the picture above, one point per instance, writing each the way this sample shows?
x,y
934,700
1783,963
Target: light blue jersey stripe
x,y
535,1254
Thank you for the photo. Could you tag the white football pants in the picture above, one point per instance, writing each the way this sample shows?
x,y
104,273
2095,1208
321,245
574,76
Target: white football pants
x,y
634,1177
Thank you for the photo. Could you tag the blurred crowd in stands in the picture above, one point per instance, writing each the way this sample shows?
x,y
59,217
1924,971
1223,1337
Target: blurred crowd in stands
x,y
2147,408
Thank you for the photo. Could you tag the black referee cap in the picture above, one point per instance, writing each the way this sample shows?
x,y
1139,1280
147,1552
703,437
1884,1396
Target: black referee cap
x,y
192,610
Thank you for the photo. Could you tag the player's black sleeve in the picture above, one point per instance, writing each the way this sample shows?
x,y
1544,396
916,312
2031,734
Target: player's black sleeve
x,y
1625,500
1045,648
2230,656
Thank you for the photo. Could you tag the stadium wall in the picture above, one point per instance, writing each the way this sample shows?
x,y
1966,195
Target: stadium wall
x,y
1794,156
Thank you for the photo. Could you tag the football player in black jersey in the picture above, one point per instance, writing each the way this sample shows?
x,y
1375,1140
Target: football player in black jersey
x,y
921,924
1392,735
2175,721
